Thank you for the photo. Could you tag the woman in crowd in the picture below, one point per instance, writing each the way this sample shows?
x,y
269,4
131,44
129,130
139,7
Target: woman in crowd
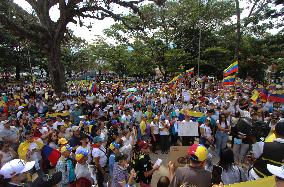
x,y
231,172
164,126
121,177
53,140
222,134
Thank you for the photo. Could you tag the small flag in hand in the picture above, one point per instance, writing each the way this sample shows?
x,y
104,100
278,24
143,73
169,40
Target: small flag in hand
x,y
51,154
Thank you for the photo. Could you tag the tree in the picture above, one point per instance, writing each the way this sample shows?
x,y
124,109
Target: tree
x,y
39,28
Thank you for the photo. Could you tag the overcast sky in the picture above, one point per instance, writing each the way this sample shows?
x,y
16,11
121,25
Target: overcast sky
x,y
98,25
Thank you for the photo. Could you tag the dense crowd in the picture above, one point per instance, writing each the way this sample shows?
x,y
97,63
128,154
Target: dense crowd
x,y
103,133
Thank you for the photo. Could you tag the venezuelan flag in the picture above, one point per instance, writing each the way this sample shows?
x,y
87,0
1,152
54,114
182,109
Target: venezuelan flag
x,y
230,80
255,95
276,97
93,88
264,95
130,97
233,68
189,72
51,154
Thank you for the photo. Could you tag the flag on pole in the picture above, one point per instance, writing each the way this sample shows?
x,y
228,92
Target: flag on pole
x,y
189,72
93,88
233,68
255,95
130,97
230,80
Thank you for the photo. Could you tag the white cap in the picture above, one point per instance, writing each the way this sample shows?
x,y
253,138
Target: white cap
x,y
276,170
20,107
16,166
75,128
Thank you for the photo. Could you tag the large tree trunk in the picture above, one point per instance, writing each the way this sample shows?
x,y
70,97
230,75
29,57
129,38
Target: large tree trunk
x,y
56,68
238,33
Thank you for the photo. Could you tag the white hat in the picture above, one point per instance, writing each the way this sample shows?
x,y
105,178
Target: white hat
x,y
16,166
75,128
275,170
20,107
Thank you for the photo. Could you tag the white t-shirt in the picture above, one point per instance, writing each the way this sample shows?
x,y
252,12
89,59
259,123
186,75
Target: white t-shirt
x,y
90,99
164,131
138,115
155,127
101,153
223,124
83,171
207,131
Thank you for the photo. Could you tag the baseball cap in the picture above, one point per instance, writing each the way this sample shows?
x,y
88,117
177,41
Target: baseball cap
x,y
75,128
65,148
80,153
198,152
62,141
143,145
97,139
276,170
114,145
20,107
279,128
163,118
16,166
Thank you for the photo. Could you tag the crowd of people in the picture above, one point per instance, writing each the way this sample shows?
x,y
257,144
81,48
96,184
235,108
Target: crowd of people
x,y
104,134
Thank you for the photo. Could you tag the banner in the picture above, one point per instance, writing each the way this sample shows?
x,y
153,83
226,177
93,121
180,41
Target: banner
x,y
178,155
190,129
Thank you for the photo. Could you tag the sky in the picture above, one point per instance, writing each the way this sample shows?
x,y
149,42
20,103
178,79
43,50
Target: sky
x,y
99,25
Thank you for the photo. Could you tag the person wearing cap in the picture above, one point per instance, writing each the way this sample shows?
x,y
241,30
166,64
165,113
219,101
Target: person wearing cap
x,y
114,148
82,171
278,171
65,166
194,173
121,177
85,144
268,153
15,171
100,159
143,165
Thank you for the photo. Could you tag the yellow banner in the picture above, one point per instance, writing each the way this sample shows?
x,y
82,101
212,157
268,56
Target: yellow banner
x,y
265,182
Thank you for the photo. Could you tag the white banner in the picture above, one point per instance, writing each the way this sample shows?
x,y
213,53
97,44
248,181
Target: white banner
x,y
188,129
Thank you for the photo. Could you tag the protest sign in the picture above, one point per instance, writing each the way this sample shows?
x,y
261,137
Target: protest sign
x,y
178,155
189,129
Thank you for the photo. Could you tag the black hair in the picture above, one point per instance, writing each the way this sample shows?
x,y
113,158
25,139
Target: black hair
x,y
120,156
226,158
164,181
